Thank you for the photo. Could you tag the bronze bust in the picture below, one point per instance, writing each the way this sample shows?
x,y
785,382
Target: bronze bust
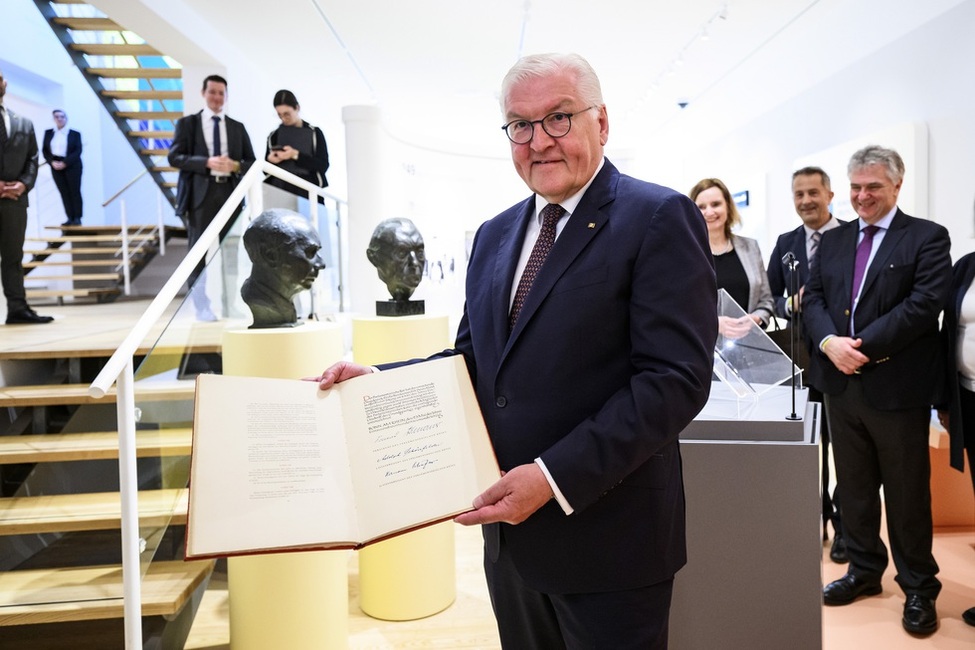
x,y
285,252
396,250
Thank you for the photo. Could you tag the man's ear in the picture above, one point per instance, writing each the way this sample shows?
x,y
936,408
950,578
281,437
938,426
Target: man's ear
x,y
271,255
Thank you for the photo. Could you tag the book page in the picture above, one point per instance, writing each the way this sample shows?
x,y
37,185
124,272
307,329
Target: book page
x,y
417,444
270,467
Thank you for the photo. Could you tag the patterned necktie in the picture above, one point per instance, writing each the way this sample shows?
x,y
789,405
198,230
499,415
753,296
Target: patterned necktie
x,y
814,245
551,214
3,130
216,135
860,264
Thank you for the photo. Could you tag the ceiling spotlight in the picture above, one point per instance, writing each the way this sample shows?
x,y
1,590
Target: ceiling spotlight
x,y
723,13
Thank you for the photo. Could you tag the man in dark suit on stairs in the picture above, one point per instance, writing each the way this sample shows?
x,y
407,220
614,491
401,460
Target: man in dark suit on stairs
x,y
212,152
62,150
18,171
871,306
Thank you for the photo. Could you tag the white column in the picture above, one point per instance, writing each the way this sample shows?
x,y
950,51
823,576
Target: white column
x,y
365,171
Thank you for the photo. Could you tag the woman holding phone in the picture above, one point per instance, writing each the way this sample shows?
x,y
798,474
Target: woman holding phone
x,y
295,146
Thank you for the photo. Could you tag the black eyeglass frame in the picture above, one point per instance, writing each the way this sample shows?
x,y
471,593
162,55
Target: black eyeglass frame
x,y
532,123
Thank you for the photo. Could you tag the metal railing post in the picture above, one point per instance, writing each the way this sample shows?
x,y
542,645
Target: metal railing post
x,y
124,226
129,488
160,225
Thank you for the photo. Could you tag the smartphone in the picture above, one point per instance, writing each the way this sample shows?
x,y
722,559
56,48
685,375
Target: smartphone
x,y
277,147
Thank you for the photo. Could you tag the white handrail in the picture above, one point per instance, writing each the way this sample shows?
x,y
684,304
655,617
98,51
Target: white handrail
x,y
127,186
120,369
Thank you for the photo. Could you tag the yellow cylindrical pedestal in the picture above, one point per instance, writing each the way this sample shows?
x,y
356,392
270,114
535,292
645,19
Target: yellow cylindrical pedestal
x,y
413,575
290,600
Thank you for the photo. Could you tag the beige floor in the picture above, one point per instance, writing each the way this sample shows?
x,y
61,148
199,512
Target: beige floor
x,y
871,623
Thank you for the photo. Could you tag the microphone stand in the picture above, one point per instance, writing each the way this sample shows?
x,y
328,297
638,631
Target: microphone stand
x,y
789,259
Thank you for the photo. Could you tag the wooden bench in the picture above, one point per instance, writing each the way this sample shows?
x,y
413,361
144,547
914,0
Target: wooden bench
x,y
71,513
96,445
87,593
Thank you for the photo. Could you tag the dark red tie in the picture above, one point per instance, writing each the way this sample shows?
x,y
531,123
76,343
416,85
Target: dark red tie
x,y
860,263
551,214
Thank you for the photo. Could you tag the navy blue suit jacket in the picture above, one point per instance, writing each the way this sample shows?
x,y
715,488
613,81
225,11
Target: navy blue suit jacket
x,y
610,359
72,156
903,292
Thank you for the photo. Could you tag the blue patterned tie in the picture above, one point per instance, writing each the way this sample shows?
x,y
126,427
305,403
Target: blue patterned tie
x,y
551,214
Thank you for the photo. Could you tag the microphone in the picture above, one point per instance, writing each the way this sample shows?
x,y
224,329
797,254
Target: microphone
x,y
789,259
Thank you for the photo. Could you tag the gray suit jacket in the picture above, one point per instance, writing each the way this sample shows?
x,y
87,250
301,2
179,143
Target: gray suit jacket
x,y
18,161
760,302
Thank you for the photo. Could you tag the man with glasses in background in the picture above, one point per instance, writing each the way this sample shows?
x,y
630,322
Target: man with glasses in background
x,y
588,332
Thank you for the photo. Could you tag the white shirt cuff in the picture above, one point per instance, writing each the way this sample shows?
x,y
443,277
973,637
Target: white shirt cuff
x,y
555,488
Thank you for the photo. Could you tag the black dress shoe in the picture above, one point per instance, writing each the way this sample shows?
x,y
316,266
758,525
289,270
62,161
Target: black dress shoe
x,y
26,316
837,552
969,616
920,616
847,589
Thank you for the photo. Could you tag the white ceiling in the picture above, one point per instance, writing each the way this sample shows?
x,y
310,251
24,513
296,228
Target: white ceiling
x,y
434,66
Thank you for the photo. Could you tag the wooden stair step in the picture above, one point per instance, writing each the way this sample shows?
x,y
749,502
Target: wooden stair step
x,y
93,250
154,152
115,49
73,293
72,513
64,239
171,116
136,73
105,229
94,445
77,277
104,262
142,94
163,170
88,24
75,394
87,593
152,135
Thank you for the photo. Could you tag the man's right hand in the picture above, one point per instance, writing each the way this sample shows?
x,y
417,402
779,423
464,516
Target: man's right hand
x,y
843,352
339,372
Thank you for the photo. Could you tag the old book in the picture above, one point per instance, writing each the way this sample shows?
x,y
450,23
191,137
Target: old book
x,y
278,465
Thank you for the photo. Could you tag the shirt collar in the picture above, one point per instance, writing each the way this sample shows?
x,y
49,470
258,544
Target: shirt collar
x,y
829,225
883,223
208,114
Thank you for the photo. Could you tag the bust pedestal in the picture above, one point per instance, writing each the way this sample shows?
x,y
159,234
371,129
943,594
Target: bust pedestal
x,y
414,575
287,600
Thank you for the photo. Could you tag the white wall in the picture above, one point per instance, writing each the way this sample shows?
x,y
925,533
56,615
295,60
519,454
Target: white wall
x,y
924,77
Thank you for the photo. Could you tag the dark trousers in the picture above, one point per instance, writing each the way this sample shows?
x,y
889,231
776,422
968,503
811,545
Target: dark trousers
x,y
13,226
197,219
634,619
69,185
889,449
831,502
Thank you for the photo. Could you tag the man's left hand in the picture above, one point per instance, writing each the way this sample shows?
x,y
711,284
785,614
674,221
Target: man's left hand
x,y
12,190
512,499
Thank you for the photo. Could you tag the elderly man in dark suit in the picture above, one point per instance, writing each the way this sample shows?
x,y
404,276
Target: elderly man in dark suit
x,y
212,152
18,171
871,306
811,195
588,331
62,150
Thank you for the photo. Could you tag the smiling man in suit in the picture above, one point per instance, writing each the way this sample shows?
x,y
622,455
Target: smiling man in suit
x,y
588,331
811,195
62,150
212,152
18,171
872,305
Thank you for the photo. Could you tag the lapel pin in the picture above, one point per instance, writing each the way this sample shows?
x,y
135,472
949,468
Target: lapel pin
x,y
592,225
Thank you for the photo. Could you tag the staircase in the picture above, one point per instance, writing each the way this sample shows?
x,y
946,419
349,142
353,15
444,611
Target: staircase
x,y
60,513
140,87
89,262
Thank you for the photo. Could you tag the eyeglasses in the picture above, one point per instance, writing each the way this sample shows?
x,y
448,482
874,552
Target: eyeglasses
x,y
556,125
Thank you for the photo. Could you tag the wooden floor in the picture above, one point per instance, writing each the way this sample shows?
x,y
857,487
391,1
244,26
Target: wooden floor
x,y
468,623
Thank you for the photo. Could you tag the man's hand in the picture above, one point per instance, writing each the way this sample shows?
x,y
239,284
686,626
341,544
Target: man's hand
x,y
843,352
795,301
512,499
12,190
221,164
58,165
339,372
734,328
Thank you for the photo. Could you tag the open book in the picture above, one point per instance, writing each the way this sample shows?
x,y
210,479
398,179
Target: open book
x,y
279,465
